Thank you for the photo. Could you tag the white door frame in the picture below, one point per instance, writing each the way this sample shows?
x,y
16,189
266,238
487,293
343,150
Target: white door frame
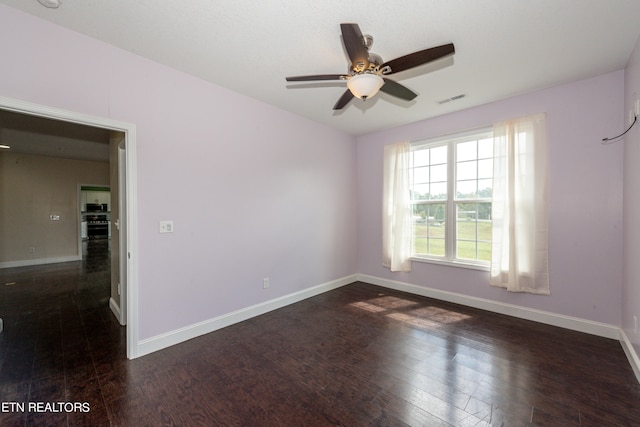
x,y
122,229
131,219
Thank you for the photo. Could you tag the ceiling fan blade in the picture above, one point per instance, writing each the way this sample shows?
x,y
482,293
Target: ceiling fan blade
x,y
316,77
344,100
397,90
354,43
418,58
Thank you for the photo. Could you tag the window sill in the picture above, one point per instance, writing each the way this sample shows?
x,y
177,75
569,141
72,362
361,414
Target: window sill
x,y
459,264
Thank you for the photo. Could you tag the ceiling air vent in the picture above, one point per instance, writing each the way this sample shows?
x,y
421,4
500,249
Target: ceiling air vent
x,y
453,98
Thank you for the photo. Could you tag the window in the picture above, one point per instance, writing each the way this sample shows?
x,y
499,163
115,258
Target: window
x,y
451,182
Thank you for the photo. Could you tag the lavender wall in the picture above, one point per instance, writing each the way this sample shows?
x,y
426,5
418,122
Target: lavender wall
x,y
253,191
257,192
585,199
631,281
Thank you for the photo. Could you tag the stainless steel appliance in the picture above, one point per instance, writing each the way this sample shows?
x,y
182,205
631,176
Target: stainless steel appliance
x,y
96,207
97,226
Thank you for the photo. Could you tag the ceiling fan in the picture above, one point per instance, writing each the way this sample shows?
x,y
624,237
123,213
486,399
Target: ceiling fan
x,y
367,71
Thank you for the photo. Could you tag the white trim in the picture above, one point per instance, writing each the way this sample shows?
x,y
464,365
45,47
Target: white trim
x,y
451,263
177,336
122,231
573,323
630,351
129,130
482,131
30,109
115,309
131,261
39,261
554,319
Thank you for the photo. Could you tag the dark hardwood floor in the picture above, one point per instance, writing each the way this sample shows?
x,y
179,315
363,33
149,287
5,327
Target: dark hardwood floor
x,y
359,355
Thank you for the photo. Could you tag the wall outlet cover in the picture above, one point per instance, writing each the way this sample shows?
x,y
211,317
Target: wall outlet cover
x,y
166,226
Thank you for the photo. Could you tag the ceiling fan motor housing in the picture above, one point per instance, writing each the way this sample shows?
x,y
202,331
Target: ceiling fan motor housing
x,y
374,60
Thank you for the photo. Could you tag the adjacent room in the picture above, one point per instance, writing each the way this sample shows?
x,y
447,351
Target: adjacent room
x,y
292,213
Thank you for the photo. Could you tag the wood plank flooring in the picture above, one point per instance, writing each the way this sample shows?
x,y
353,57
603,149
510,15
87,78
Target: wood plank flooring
x,y
360,355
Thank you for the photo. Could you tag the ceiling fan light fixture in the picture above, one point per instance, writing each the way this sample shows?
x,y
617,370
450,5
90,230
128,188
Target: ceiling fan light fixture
x,y
364,78
365,86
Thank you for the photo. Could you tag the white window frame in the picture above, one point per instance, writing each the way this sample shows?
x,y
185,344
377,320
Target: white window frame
x,y
450,221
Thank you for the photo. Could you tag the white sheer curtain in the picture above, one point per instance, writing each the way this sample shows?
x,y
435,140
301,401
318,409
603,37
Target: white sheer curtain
x,y
396,217
519,253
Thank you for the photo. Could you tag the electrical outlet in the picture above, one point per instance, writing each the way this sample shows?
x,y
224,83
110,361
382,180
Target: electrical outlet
x,y
636,107
635,324
166,226
265,283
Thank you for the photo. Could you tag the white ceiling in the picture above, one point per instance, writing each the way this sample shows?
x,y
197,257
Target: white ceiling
x,y
503,47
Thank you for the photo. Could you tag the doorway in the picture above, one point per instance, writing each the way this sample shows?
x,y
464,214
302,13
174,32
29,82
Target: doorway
x,y
125,175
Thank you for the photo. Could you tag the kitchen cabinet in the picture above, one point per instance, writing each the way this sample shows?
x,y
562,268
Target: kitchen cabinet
x,y
95,197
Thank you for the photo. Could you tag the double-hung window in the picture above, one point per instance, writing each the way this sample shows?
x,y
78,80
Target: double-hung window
x,y
451,181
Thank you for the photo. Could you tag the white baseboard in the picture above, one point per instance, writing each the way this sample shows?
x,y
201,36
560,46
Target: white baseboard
x,y
177,336
115,309
554,319
630,351
39,261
